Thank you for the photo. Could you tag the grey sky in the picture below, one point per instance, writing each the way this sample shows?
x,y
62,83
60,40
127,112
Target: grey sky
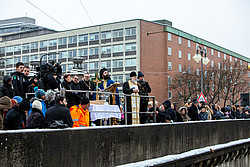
x,y
223,22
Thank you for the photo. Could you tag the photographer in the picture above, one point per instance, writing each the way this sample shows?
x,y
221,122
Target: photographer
x,y
144,90
50,76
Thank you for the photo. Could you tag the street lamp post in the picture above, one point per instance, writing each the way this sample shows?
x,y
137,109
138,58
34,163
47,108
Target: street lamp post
x,y
204,60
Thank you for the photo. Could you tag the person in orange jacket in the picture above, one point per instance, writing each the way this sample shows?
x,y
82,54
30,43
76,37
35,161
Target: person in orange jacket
x,y
80,113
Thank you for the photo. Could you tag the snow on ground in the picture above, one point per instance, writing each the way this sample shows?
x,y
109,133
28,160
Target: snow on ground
x,y
169,158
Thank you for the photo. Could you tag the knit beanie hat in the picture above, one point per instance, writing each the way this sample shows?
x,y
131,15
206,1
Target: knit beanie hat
x,y
140,74
39,92
37,104
18,99
5,102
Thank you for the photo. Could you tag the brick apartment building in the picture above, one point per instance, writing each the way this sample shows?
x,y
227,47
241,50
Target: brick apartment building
x,y
153,47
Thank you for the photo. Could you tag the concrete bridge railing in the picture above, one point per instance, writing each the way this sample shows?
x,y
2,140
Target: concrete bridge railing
x,y
116,145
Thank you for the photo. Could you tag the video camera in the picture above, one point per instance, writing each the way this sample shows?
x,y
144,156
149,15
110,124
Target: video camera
x,y
50,68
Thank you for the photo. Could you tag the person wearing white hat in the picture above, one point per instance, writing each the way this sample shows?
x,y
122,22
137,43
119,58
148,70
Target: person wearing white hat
x,y
36,118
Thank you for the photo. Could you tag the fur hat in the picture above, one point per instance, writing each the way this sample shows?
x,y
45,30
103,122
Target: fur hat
x,y
37,104
5,102
18,99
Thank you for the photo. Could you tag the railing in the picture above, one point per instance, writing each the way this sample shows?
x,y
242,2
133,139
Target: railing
x,y
87,92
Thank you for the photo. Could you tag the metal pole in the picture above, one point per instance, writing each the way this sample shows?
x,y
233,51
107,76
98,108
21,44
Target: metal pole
x,y
125,110
154,110
168,86
201,71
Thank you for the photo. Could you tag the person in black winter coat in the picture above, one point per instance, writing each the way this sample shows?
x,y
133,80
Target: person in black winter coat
x,y
75,99
6,89
18,80
16,117
30,89
66,84
36,118
169,111
59,112
193,111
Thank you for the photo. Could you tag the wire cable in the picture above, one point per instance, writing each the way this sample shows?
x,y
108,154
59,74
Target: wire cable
x,y
86,11
46,14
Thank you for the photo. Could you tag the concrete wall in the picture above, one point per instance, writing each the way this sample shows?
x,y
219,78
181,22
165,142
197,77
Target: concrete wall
x,y
110,146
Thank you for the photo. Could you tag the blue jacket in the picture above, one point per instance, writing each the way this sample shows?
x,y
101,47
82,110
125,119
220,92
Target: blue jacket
x,y
110,82
44,108
203,116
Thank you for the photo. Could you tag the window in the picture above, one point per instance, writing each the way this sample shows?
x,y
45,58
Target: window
x,y
130,31
189,83
225,90
25,59
62,41
130,47
83,52
83,38
169,65
2,50
241,62
85,66
180,68
34,57
117,48
130,62
52,42
205,73
189,57
218,65
225,56
197,72
197,84
17,59
169,94
94,36
169,80
189,70
212,87
118,78
189,45
179,54
230,58
236,60
93,65
26,46
212,63
218,54
180,82
62,55
169,51
118,33
70,67
106,35
34,45
71,53
9,61
43,44
93,51
117,63
179,40
52,57
106,64
212,75
72,39
169,36
9,49
106,49
17,48
212,52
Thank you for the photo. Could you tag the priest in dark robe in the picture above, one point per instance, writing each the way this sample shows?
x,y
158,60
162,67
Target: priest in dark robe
x,y
86,84
131,87
106,82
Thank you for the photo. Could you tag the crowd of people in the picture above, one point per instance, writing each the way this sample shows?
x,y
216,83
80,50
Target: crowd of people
x,y
32,102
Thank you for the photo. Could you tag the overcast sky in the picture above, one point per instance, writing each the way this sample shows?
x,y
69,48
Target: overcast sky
x,y
223,22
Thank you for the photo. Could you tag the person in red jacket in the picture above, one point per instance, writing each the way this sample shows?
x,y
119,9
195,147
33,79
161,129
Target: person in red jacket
x,y
80,113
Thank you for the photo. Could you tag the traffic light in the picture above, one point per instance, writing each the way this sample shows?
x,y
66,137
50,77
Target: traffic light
x,y
244,99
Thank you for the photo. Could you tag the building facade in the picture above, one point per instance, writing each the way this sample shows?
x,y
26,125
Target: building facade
x,y
153,47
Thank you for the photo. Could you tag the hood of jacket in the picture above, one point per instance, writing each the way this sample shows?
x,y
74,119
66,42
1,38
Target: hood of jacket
x,y
6,78
167,103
